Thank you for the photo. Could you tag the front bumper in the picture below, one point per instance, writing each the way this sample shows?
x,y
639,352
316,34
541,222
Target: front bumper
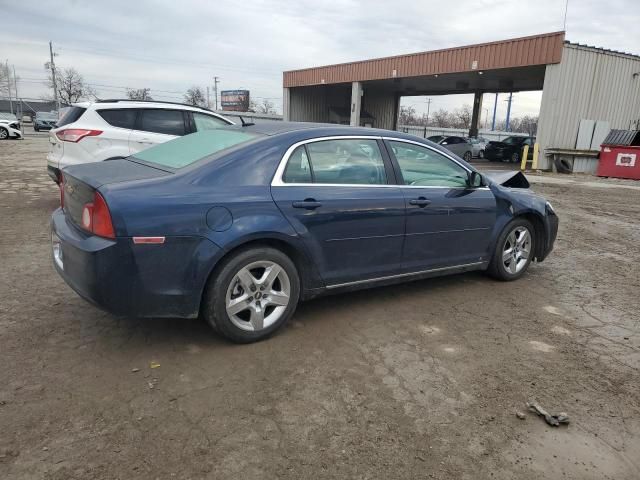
x,y
133,280
551,232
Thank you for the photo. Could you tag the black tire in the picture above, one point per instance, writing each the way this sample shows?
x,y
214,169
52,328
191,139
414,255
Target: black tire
x,y
4,134
36,129
467,156
515,157
214,309
497,267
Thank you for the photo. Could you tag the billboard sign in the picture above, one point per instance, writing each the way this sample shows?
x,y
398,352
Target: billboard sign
x,y
235,100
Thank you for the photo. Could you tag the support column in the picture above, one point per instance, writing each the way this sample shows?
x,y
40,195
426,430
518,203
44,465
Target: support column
x,y
286,104
475,115
356,103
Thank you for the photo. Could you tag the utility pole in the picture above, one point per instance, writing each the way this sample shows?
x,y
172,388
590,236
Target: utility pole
x,y
53,77
208,102
495,106
215,89
509,109
428,109
9,86
19,103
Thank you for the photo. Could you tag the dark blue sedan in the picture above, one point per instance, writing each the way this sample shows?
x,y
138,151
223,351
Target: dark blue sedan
x,y
240,223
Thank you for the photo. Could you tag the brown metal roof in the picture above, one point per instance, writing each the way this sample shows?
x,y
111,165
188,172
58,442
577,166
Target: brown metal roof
x,y
516,52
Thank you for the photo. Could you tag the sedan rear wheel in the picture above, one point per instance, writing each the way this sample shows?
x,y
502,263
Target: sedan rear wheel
x,y
515,157
467,156
4,134
252,295
514,250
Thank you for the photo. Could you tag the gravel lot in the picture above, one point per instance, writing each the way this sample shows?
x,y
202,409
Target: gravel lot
x,y
421,380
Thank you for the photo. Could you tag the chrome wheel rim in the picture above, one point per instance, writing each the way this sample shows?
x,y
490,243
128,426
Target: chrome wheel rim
x,y
258,295
516,250
3,133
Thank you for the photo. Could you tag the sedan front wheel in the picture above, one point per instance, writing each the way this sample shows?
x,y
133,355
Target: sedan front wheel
x,y
514,250
252,295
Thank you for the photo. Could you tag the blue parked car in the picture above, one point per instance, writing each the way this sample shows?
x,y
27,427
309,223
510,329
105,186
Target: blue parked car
x,y
240,223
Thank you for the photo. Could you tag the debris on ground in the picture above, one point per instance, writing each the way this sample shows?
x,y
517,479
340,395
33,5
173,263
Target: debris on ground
x,y
553,420
134,370
520,415
154,365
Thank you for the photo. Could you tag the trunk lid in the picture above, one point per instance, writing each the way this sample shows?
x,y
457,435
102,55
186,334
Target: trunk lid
x,y
81,181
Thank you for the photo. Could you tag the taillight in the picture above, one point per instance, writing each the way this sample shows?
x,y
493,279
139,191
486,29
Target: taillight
x,y
96,217
76,134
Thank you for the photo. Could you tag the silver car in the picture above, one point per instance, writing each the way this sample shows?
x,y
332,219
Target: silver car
x,y
459,145
478,145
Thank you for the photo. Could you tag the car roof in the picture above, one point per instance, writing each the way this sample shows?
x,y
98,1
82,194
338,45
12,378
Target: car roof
x,y
317,129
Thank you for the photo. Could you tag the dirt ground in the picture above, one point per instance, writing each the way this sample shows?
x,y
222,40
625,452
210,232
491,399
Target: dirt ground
x,y
421,380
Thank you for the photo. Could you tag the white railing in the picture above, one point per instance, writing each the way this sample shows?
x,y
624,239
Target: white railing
x,y
425,132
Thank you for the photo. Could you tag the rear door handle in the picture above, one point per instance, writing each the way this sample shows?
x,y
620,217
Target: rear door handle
x,y
421,202
308,203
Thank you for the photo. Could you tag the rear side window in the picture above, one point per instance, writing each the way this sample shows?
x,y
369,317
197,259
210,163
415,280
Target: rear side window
x,y
298,168
169,122
73,114
122,118
207,122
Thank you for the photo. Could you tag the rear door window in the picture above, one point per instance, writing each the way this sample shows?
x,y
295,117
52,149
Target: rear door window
x,y
168,122
356,161
122,118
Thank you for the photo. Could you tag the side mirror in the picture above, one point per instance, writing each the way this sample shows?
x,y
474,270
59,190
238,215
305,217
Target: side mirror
x,y
474,180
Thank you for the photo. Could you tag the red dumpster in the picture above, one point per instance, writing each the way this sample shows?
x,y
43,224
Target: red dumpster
x,y
620,155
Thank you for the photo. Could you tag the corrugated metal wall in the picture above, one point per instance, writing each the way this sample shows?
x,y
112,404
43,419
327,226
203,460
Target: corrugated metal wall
x,y
311,104
382,106
589,83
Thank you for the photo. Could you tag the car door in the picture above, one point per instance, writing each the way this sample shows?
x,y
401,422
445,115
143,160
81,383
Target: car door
x,y
339,196
154,126
448,223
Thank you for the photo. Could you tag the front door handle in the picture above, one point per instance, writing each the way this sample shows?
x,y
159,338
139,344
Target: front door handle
x,y
308,203
421,202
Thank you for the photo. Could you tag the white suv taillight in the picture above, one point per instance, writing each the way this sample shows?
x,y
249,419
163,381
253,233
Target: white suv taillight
x,y
76,134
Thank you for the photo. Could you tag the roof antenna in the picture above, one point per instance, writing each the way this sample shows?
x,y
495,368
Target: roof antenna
x,y
245,124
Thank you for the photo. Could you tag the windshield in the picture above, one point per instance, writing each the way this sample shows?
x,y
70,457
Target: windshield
x,y
513,140
189,149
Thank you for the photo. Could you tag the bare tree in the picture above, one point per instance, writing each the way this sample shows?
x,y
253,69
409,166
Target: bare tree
x,y
267,107
7,84
71,86
443,119
195,96
407,115
463,117
139,94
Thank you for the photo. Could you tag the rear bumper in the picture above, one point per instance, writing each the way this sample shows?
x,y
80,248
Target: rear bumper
x,y
133,280
54,173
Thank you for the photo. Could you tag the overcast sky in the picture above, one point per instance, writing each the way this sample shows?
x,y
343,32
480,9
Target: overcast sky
x,y
169,46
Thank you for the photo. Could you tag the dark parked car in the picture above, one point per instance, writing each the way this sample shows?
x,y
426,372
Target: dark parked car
x,y
509,149
44,121
240,223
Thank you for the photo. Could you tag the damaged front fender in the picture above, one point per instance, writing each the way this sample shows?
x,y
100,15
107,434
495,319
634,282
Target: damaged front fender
x,y
508,179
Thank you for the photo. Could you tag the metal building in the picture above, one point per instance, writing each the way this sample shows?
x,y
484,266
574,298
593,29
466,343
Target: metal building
x,y
585,89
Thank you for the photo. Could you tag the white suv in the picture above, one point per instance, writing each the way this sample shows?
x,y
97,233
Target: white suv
x,y
110,129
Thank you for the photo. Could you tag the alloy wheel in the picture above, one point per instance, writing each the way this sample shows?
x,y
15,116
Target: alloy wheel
x,y
3,134
516,250
258,295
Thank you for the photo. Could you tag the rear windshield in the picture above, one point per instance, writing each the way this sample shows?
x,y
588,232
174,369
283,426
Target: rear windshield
x,y
513,140
73,114
189,149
